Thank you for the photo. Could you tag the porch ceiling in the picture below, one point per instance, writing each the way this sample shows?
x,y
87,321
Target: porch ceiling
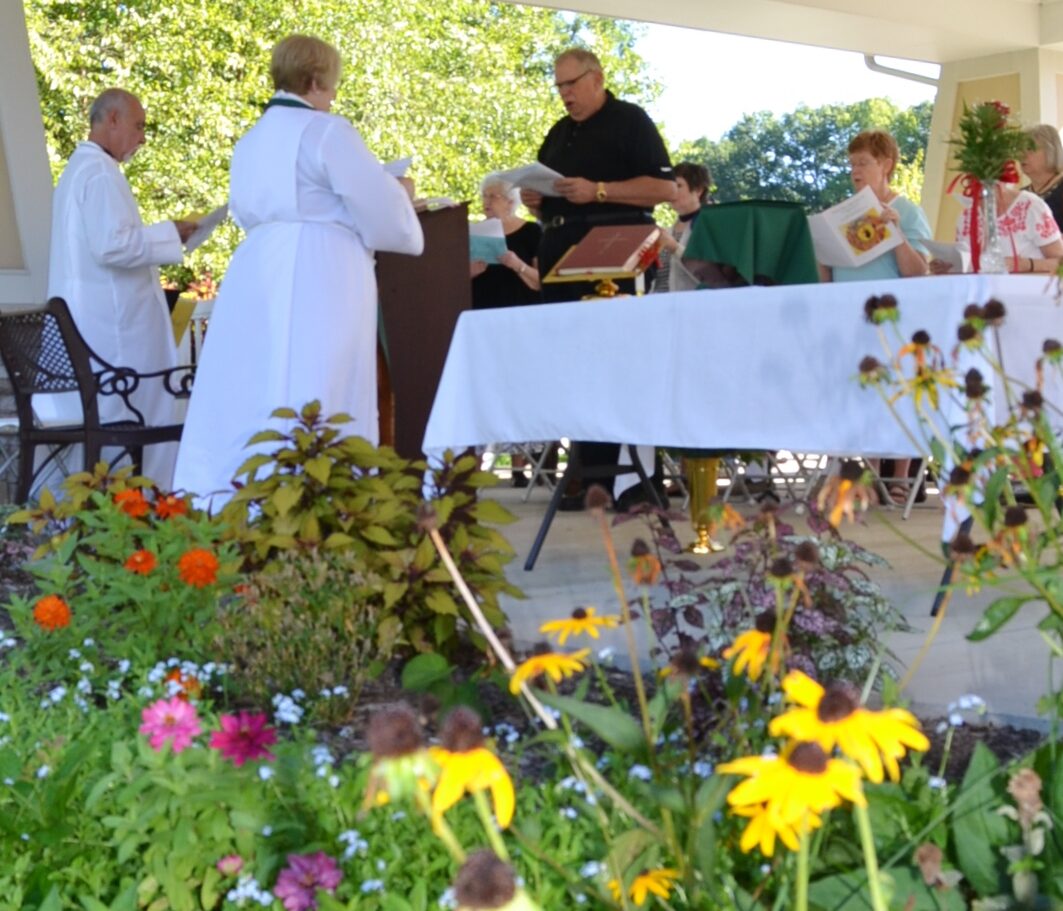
x,y
938,31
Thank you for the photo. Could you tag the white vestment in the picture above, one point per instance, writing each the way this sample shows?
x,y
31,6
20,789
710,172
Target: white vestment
x,y
103,263
296,317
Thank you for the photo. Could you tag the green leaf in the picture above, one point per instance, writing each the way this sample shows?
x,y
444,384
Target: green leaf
x,y
379,535
977,830
996,615
339,539
423,671
266,436
492,512
441,602
52,901
319,468
284,498
615,726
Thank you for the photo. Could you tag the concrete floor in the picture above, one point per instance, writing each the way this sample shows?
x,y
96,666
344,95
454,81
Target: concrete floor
x,y
1009,670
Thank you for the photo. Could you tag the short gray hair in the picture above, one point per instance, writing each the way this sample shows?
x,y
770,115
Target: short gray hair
x,y
582,56
1047,138
510,190
108,101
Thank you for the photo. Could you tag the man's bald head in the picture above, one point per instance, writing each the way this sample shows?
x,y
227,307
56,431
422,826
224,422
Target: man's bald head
x,y
116,123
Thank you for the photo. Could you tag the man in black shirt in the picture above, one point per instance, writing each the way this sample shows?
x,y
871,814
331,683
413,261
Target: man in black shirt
x,y
614,162
616,169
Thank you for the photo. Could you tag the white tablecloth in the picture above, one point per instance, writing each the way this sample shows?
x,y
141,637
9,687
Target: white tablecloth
x,y
750,368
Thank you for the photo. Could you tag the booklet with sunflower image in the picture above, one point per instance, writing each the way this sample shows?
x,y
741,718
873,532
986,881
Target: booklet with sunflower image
x,y
853,232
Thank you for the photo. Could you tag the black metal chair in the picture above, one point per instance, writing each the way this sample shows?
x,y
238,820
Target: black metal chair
x,y
44,353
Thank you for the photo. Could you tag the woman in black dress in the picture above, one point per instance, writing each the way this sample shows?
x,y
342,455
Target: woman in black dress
x,y
1044,166
514,279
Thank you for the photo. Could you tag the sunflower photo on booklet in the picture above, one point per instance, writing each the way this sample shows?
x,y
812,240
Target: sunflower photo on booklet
x,y
853,232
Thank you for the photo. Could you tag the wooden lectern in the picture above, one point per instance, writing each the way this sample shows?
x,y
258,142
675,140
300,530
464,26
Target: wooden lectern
x,y
421,298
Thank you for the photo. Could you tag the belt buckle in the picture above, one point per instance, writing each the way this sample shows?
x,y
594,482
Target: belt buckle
x,y
556,222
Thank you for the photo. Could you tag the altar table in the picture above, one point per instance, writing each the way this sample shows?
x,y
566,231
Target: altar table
x,y
760,368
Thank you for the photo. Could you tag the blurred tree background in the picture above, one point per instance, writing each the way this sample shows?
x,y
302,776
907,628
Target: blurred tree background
x,y
465,87
801,156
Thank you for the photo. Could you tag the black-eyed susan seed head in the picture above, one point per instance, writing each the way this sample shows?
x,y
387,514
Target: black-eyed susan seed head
x,y
838,703
394,732
921,337
426,518
781,568
994,312
974,386
1014,517
462,731
807,555
597,498
1052,350
881,309
639,548
852,471
484,882
685,662
808,758
962,547
967,334
1032,400
973,312
872,371
765,621
960,476
579,613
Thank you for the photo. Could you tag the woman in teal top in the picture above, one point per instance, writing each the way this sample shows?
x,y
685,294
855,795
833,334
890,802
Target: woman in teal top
x,y
873,155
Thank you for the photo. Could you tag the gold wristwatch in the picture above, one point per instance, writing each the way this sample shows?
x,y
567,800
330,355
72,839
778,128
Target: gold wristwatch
x,y
600,194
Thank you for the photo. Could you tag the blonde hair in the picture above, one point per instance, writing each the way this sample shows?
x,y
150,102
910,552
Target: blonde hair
x,y
879,145
300,61
1047,138
582,56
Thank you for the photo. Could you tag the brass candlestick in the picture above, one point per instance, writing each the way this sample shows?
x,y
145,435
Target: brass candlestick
x,y
701,482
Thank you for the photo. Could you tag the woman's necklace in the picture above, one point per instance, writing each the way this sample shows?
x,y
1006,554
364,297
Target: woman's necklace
x,y
1045,188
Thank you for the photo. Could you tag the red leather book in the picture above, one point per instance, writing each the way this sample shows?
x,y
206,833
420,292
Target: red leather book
x,y
609,248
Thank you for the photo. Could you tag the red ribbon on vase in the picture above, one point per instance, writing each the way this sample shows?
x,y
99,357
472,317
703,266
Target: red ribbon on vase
x,y
972,188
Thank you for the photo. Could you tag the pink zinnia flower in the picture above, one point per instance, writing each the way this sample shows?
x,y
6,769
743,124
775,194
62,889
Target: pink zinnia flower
x,y
298,883
170,719
243,737
230,865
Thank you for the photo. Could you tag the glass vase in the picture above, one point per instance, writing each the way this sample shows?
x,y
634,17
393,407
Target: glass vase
x,y
991,259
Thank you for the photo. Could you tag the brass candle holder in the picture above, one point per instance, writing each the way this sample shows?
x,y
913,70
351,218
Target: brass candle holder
x,y
701,475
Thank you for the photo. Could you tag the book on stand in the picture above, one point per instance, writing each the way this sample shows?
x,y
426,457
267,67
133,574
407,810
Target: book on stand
x,y
610,250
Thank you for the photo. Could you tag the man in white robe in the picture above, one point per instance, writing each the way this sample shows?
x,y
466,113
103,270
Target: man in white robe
x,y
104,263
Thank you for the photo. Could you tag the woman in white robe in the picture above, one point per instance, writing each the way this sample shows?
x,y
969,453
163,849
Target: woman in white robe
x,y
296,317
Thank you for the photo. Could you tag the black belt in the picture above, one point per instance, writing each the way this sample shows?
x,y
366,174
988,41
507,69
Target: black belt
x,y
598,218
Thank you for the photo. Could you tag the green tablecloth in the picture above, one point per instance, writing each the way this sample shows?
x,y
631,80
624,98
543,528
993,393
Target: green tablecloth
x,y
760,239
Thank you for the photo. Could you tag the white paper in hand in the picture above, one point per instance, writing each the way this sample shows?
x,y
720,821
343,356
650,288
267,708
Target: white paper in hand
x,y
958,256
206,227
487,240
534,176
399,166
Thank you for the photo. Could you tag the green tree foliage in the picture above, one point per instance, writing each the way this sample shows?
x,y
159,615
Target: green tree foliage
x,y
466,86
801,156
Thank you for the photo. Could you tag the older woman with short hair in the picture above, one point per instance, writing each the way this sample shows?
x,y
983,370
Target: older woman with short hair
x,y
296,317
1043,164
873,157
514,279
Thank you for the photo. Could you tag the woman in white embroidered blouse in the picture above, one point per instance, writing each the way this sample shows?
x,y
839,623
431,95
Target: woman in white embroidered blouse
x,y
1030,235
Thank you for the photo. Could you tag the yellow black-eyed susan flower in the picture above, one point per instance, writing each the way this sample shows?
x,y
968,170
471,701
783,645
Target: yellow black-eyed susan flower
x,y
833,717
765,825
751,649
801,781
583,620
466,765
659,882
557,665
844,492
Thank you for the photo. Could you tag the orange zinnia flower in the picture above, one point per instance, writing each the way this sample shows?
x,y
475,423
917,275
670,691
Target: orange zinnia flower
x,y
190,686
141,562
51,613
132,503
198,568
170,505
